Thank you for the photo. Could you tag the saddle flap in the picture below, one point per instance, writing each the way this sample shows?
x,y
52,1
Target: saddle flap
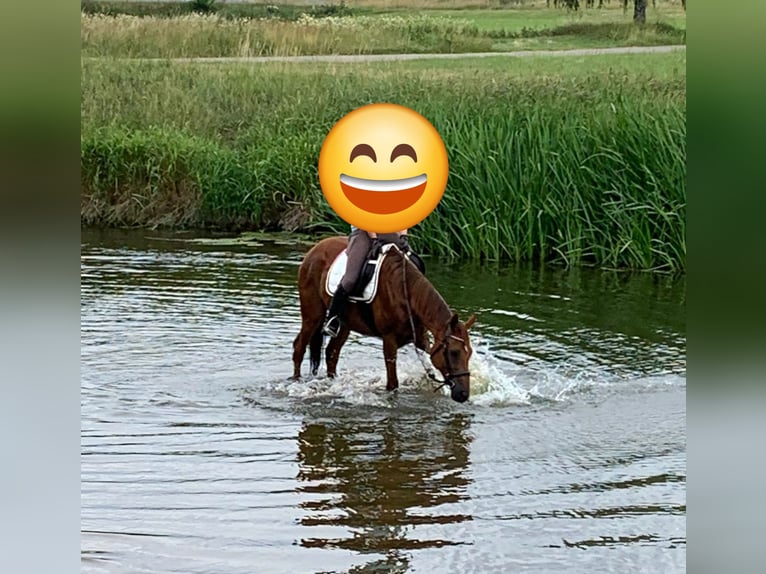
x,y
338,269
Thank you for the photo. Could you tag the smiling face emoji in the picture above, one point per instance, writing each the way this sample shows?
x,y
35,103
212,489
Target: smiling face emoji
x,y
383,168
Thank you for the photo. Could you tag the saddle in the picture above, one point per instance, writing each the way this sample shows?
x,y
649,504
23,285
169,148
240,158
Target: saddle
x,y
367,287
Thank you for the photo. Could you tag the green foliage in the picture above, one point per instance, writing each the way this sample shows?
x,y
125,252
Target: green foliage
x,y
324,10
228,10
114,8
203,6
328,29
570,185
657,33
163,176
212,36
578,163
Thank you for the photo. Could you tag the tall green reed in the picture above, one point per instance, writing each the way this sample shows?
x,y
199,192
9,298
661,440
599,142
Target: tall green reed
x,y
576,167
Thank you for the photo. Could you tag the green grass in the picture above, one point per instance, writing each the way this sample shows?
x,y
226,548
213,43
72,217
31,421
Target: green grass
x,y
209,36
588,35
579,161
263,9
333,29
542,18
668,69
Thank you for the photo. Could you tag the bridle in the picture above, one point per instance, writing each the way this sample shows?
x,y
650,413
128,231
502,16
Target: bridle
x,y
449,379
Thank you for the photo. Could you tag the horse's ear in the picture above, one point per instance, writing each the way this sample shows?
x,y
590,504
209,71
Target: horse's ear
x,y
453,321
469,323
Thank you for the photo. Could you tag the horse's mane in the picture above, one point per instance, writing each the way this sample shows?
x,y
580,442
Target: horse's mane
x,y
426,302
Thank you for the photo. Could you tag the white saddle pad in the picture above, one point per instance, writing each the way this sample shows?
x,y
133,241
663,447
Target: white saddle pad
x,y
338,269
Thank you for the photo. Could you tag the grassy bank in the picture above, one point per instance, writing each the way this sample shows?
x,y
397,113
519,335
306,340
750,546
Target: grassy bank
x,y
576,161
210,35
159,30
264,9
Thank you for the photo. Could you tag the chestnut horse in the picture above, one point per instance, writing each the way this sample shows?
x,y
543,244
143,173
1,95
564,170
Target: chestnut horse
x,y
405,301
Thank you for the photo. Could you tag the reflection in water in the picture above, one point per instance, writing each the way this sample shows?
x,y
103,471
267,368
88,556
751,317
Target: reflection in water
x,y
381,483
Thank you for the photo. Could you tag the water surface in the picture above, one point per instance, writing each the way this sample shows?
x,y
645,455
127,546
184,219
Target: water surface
x,y
198,455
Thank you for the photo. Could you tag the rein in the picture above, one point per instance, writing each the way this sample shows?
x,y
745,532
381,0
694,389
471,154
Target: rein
x,y
449,379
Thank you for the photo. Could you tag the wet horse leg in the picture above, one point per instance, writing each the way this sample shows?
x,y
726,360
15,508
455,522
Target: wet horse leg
x,y
333,350
312,315
390,348
308,329
315,347
299,349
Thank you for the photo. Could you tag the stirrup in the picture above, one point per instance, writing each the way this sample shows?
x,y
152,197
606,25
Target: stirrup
x,y
332,326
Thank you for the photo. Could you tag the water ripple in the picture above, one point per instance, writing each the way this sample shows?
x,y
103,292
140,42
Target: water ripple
x,y
197,451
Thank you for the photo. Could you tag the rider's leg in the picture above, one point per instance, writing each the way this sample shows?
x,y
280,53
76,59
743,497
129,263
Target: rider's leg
x,y
337,309
356,252
359,244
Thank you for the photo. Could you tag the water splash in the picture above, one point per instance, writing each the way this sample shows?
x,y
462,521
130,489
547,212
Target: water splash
x,y
495,382
350,387
491,386
356,384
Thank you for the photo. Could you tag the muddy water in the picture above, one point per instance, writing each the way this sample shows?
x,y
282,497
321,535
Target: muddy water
x,y
198,455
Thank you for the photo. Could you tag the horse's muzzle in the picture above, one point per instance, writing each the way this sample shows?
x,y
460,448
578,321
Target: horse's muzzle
x,y
459,394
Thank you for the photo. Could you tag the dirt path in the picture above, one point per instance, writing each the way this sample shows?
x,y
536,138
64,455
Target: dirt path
x,y
399,57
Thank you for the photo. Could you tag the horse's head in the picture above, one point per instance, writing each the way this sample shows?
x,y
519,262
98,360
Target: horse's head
x,y
450,354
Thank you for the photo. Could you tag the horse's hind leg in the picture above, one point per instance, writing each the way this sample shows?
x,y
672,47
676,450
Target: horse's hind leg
x,y
312,315
299,349
308,331
315,347
333,350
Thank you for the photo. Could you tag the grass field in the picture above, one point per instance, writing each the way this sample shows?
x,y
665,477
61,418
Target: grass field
x,y
159,30
576,161
540,17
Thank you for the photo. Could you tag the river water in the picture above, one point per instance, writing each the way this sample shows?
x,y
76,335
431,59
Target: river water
x,y
199,455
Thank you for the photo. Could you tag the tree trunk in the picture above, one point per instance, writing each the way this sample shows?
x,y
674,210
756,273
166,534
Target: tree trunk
x,y
639,11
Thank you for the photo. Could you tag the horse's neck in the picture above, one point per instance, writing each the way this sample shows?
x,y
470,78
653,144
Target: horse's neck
x,y
427,304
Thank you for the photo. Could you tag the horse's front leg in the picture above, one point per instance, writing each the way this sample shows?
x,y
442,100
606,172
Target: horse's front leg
x,y
390,348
